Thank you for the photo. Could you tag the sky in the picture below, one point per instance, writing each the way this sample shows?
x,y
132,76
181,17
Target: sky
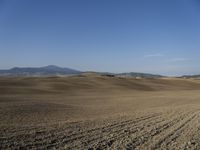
x,y
151,36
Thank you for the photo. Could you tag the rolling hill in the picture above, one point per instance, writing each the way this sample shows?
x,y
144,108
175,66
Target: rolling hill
x,y
40,71
53,70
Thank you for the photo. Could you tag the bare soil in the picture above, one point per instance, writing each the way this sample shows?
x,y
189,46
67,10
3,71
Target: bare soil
x,y
96,112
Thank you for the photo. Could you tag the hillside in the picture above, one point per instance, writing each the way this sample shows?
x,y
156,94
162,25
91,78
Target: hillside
x,y
102,112
50,70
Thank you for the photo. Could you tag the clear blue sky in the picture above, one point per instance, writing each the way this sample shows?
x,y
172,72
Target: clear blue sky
x,y
155,36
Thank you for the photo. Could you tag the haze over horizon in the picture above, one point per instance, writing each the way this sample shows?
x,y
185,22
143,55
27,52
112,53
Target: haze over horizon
x,y
158,37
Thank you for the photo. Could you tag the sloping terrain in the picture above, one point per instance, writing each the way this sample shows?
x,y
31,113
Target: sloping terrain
x,y
99,112
40,71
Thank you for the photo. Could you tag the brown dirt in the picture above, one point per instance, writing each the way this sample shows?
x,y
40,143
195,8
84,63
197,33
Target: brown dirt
x,y
95,112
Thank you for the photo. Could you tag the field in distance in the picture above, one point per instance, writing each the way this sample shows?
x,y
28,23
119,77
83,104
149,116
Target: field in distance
x,y
99,112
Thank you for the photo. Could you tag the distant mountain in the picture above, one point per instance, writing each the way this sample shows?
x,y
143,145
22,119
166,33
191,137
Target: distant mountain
x,y
40,71
136,74
129,74
52,70
190,76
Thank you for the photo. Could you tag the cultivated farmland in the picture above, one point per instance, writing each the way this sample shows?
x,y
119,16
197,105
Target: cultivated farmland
x,y
99,112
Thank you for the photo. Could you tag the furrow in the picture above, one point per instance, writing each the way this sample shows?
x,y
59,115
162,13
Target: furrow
x,y
152,132
174,133
107,138
107,142
103,130
54,139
